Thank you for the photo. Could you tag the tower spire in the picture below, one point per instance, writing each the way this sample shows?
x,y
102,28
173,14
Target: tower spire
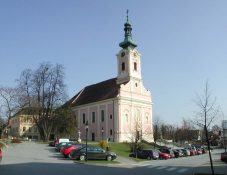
x,y
128,42
127,14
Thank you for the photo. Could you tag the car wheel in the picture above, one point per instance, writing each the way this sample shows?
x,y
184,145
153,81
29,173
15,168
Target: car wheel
x,y
109,158
70,157
148,158
82,157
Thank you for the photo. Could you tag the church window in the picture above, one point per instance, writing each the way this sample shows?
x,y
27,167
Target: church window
x,y
111,132
135,66
102,115
83,118
93,117
123,66
147,119
136,84
111,116
29,129
126,117
24,128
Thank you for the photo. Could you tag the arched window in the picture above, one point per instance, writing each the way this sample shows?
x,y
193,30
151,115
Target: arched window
x,y
123,66
126,117
24,128
147,120
135,66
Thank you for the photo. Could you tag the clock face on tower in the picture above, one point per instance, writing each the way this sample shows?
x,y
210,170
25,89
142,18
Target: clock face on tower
x,y
122,54
135,55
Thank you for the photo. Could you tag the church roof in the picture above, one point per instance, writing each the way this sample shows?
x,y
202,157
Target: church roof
x,y
96,92
27,111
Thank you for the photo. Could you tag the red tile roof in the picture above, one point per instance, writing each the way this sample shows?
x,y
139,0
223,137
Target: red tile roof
x,y
96,92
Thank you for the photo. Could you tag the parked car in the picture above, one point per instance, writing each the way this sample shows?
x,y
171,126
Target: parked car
x,y
63,144
57,141
168,151
66,151
93,153
146,154
192,151
199,151
224,157
177,153
164,155
185,152
52,143
203,150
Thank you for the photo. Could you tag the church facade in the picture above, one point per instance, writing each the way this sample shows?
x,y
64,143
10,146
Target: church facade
x,y
118,109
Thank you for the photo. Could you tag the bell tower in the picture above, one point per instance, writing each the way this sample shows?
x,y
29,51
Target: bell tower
x,y
128,58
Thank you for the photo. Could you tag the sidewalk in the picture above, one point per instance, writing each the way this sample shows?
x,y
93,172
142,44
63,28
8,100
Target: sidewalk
x,y
126,161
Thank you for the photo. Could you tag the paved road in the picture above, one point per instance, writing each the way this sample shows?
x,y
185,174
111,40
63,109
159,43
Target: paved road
x,y
38,159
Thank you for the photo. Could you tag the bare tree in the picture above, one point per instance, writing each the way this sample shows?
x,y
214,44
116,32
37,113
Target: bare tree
x,y
186,132
9,101
9,105
157,123
208,111
44,89
25,86
2,124
136,135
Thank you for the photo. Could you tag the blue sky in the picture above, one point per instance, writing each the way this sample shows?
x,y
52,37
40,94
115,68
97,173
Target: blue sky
x,y
183,43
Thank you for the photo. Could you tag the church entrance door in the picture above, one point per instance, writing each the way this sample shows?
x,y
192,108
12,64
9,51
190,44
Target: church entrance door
x,y
93,136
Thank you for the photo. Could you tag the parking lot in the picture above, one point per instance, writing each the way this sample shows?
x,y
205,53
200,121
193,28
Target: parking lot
x,y
34,158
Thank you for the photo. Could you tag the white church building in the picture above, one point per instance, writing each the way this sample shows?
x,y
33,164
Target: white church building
x,y
118,109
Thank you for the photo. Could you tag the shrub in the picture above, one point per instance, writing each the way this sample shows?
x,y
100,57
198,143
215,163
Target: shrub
x,y
104,145
136,146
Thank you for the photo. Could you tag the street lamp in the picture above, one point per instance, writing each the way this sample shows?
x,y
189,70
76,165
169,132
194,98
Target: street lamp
x,y
7,133
79,139
86,128
102,133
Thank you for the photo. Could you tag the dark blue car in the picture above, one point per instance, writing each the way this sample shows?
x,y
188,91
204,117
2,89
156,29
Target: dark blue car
x,y
146,154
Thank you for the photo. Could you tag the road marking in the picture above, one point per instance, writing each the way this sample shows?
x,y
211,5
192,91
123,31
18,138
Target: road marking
x,y
152,166
160,168
171,169
182,170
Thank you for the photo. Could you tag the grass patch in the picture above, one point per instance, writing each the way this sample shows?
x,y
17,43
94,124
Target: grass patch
x,y
123,149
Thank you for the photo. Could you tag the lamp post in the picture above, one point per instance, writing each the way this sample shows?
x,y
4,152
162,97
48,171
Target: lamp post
x,y
102,136
79,139
7,133
86,128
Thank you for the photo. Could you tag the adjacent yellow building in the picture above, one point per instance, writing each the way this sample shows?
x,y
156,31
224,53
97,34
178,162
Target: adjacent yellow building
x,y
22,124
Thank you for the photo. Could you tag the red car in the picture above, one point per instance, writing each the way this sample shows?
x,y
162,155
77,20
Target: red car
x,y
66,151
192,152
199,151
164,155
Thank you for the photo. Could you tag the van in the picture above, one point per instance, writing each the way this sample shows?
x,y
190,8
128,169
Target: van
x,y
57,141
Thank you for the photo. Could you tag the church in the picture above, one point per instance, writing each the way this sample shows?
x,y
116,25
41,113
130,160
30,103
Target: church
x,y
118,109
